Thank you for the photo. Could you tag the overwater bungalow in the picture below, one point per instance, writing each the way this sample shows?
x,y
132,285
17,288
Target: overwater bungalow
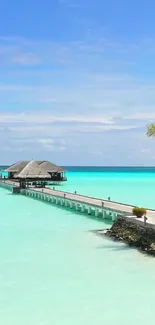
x,y
37,173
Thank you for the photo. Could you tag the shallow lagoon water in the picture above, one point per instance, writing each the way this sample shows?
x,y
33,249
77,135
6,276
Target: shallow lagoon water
x,y
54,270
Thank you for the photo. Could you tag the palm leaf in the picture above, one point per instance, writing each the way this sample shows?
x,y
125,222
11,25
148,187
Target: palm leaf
x,y
151,130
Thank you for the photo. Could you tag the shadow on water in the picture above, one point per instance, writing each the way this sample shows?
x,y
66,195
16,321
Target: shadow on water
x,y
116,247
112,244
125,247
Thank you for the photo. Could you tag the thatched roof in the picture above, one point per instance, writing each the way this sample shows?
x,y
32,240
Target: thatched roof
x,y
17,167
32,170
47,166
51,168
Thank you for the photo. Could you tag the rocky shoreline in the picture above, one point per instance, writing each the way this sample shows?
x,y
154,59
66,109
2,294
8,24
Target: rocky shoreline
x,y
132,233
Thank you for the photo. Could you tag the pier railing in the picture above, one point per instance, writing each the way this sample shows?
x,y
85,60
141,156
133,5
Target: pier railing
x,y
74,198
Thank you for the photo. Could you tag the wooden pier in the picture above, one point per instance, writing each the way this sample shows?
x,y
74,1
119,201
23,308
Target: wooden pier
x,y
84,204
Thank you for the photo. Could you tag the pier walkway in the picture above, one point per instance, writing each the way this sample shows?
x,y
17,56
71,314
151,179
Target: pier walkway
x,y
105,207
90,205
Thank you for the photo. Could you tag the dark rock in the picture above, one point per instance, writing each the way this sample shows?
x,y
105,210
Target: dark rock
x,y
134,234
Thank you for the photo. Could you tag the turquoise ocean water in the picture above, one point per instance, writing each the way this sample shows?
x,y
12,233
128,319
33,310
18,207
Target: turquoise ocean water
x,y
55,271
134,186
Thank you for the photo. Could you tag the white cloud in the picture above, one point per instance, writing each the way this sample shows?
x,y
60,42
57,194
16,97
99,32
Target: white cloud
x,y
77,52
52,144
55,108
142,116
48,118
46,141
101,128
26,59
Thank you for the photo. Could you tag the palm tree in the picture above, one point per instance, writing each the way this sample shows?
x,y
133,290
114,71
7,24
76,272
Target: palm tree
x,y
151,130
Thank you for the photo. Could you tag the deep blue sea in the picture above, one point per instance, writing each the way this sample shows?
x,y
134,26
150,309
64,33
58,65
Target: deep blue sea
x,y
110,169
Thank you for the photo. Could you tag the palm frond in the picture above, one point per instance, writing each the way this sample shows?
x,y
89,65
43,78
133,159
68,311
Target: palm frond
x,y
151,130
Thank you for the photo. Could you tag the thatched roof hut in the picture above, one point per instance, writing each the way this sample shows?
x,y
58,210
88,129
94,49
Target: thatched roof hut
x,y
32,171
17,167
52,168
36,170
46,166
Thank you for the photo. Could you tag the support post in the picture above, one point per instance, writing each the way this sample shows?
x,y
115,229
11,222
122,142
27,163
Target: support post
x,y
114,216
104,214
89,210
82,208
96,212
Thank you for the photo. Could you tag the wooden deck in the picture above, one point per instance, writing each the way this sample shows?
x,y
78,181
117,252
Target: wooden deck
x,y
95,202
85,200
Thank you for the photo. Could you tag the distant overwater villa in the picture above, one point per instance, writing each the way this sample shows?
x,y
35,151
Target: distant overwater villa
x,y
36,173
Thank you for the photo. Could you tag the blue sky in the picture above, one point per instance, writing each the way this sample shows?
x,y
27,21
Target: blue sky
x,y
77,81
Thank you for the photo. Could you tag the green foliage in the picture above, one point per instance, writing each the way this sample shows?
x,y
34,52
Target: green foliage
x,y
151,130
139,212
